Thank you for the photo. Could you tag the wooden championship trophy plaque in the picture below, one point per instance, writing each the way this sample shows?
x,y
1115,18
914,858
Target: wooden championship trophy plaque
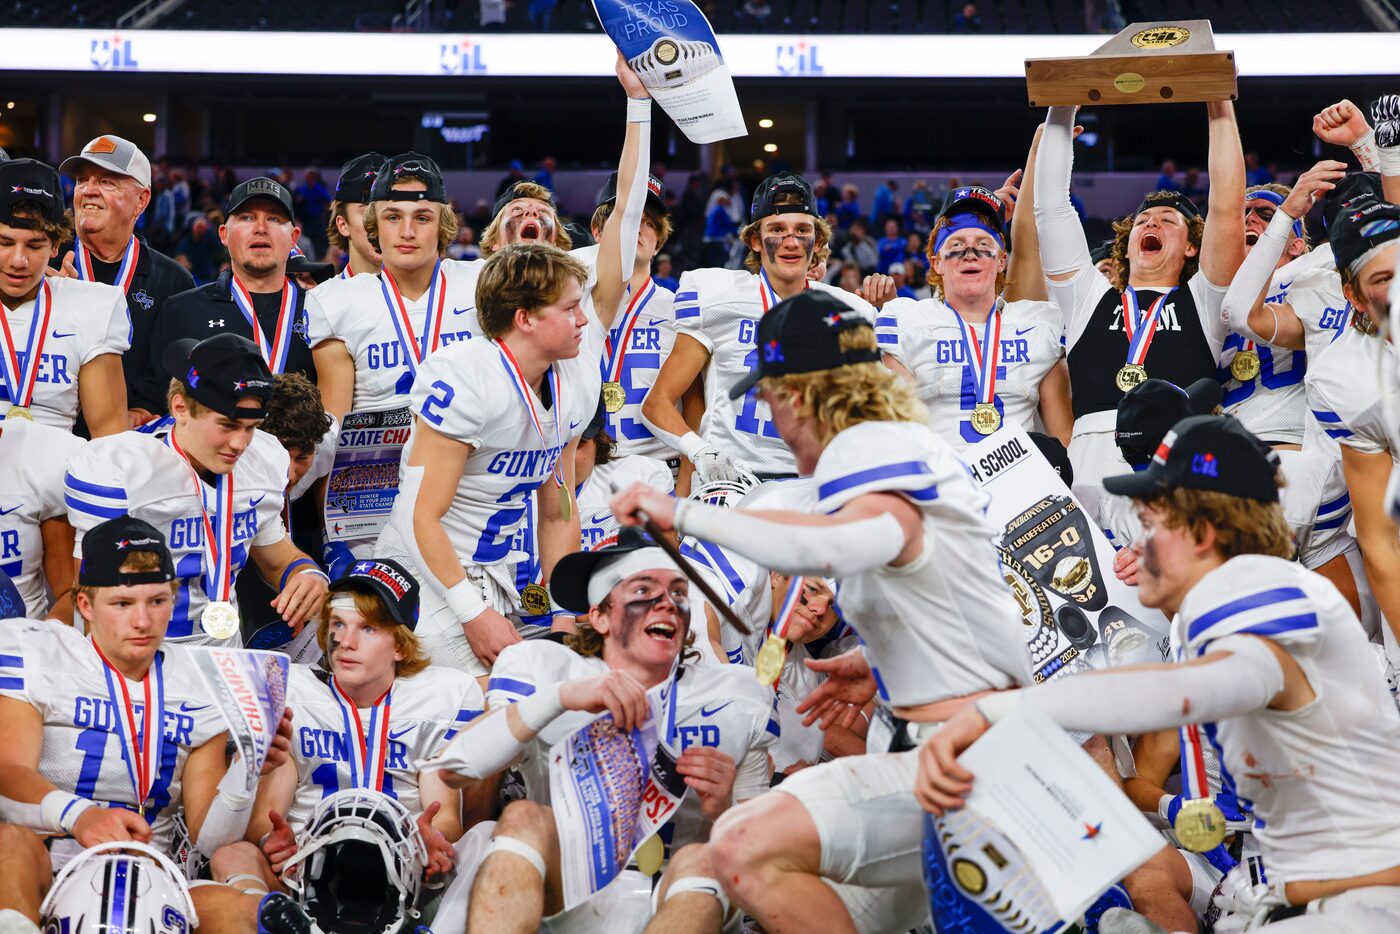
x,y
1147,63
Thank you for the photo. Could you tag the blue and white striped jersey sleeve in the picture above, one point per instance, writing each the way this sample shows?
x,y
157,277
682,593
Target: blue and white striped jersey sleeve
x,y
12,682
513,677
93,489
687,309
1341,410
887,327
469,707
874,457
1252,595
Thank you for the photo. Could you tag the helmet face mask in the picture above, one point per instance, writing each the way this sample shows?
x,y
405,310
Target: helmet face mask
x,y
359,864
723,492
119,887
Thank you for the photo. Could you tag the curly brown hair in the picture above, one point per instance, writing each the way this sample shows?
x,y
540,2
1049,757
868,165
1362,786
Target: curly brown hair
x,y
1242,526
1118,255
30,218
295,414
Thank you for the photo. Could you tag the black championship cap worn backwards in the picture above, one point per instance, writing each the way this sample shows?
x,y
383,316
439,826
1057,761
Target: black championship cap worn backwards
x,y
1206,452
221,370
802,334
106,547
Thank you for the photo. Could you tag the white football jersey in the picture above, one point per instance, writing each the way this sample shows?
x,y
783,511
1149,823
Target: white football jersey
x,y
425,711
31,491
465,391
1272,404
596,520
925,337
88,319
945,624
355,312
1344,391
1318,779
57,671
717,706
720,308
651,333
141,475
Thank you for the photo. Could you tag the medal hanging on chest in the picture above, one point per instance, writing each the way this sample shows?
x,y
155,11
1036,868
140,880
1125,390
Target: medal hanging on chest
x,y
1244,366
527,398
614,396
275,352
21,380
773,655
219,620
1141,328
416,347
982,362
367,744
141,747
1200,824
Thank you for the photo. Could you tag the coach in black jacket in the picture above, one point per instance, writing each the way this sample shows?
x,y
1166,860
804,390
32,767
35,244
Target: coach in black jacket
x,y
259,235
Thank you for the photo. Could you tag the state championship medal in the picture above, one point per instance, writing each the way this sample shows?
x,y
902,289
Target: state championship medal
x,y
219,619
1245,365
619,339
21,381
985,418
19,411
1141,328
534,599
141,746
613,397
769,665
1199,825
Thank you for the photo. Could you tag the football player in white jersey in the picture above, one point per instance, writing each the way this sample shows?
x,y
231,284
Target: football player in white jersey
x,y
36,540
367,722
1274,665
635,601
214,482
107,737
599,470
62,339
345,228
717,315
1345,387
901,525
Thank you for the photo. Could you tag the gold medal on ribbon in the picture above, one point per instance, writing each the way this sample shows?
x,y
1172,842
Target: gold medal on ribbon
x,y
1129,375
650,855
564,508
1199,825
534,599
219,620
1245,366
613,397
985,418
770,660
19,411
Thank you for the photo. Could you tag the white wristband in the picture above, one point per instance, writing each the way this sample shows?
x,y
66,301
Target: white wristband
x,y
1389,160
1164,804
539,709
639,111
995,706
1365,151
318,572
465,601
1280,226
692,444
60,810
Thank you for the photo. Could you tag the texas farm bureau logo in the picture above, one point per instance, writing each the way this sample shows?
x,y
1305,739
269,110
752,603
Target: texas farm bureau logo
x,y
1160,37
798,60
113,54
462,57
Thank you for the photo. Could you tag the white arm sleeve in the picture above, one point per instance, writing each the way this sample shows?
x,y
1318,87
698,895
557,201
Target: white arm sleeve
x,y
1131,702
1063,247
227,818
1253,277
827,550
489,745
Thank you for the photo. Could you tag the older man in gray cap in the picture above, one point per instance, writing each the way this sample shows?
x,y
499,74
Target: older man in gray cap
x,y
111,188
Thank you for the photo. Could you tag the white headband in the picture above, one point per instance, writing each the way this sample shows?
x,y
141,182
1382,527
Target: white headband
x,y
343,601
1358,264
608,575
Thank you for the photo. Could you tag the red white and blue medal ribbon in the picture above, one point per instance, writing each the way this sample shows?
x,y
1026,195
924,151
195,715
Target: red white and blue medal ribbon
x,y
984,371
218,531
419,345
274,353
346,273
782,623
767,295
368,748
618,350
527,396
20,380
1141,326
82,263
141,748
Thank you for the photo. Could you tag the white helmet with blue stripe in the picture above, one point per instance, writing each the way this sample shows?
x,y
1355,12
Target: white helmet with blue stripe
x,y
119,887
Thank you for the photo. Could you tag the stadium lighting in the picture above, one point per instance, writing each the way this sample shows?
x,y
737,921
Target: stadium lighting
x,y
770,147
766,123
149,118
9,105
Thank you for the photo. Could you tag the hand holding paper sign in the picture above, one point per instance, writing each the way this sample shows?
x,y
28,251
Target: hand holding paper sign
x,y
617,692
280,753
943,784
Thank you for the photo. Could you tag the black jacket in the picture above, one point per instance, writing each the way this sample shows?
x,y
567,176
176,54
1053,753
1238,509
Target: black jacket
x,y
204,312
157,279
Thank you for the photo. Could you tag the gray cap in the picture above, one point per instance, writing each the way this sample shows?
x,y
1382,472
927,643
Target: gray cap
x,y
115,155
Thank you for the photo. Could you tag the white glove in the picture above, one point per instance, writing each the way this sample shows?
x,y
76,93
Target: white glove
x,y
711,464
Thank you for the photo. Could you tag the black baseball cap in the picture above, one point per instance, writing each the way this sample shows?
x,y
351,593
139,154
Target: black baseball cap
x,y
357,177
387,580
656,193
513,193
300,264
408,163
1149,410
263,188
106,547
579,235
1101,252
1363,227
765,197
31,182
1352,188
802,335
1169,199
568,584
221,370
1206,452
977,200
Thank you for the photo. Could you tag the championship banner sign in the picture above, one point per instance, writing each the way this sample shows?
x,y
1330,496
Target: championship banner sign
x,y
1059,566
673,50
250,689
364,481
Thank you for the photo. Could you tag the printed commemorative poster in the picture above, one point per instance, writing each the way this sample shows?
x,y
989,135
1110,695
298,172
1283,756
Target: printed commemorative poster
x,y
364,480
250,688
